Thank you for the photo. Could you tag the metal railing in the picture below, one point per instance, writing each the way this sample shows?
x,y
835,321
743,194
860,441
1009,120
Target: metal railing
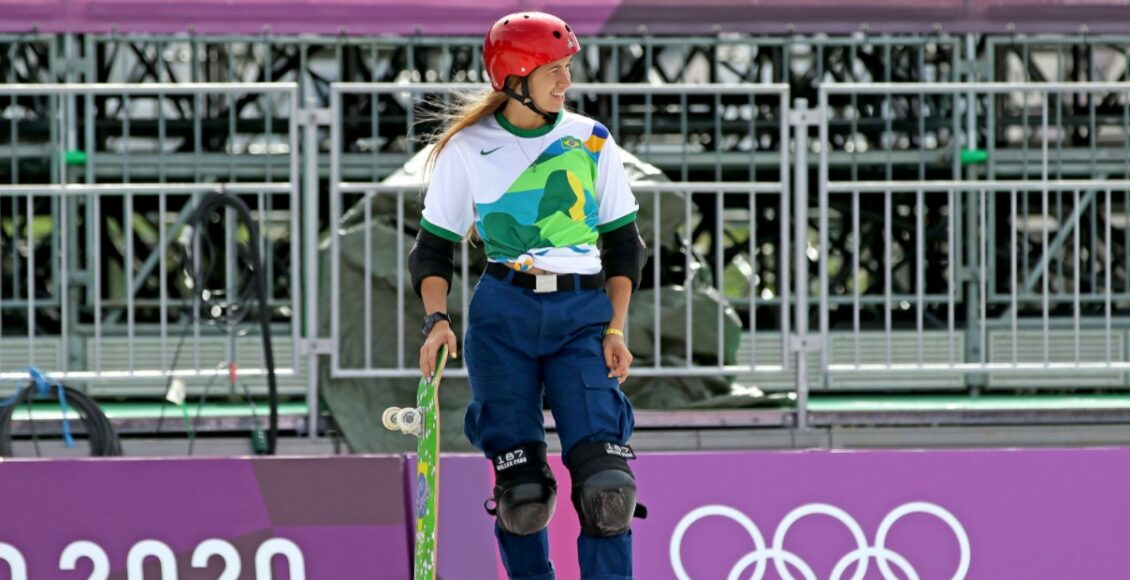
x,y
1011,255
97,273
317,62
935,270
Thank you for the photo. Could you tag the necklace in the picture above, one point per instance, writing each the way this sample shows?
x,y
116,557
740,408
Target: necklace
x,y
533,162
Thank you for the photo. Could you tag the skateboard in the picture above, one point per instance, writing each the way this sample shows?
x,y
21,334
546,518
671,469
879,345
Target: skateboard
x,y
422,421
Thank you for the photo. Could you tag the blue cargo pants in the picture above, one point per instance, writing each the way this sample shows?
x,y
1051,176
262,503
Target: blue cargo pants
x,y
519,345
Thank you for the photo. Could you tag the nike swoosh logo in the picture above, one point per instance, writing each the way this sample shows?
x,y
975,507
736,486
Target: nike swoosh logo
x,y
482,152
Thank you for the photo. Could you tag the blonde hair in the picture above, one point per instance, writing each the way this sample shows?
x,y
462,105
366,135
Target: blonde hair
x,y
469,108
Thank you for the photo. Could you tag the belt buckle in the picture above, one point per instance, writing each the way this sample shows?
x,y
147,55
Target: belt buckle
x,y
545,283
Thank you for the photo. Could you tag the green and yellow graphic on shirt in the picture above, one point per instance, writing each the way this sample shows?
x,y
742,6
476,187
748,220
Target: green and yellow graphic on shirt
x,y
550,205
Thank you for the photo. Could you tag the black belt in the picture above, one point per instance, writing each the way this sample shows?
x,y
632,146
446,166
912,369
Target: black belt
x,y
546,282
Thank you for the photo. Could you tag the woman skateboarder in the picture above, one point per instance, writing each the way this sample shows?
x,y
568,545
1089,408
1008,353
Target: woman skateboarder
x,y
540,186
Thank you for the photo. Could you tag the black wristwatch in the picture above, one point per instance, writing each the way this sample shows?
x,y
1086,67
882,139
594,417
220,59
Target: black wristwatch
x,y
431,320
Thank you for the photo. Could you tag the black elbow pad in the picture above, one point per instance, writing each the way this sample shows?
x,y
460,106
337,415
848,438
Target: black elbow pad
x,y
431,255
624,253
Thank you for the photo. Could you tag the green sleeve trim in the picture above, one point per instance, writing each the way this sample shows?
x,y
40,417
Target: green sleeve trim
x,y
616,224
445,234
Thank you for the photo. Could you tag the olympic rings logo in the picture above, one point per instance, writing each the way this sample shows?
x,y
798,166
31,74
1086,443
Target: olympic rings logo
x,y
783,559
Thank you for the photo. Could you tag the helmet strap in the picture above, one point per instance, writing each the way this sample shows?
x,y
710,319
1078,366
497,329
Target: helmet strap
x,y
527,100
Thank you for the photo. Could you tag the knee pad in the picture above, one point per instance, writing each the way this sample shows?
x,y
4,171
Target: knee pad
x,y
604,488
525,491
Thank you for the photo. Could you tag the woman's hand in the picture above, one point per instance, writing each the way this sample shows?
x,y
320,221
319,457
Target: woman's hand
x,y
441,335
617,357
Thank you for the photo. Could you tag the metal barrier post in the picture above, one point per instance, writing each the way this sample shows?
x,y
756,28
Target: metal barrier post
x,y
800,119
976,349
311,119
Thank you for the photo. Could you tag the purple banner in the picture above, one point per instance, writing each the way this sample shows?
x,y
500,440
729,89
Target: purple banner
x,y
305,518
1029,514
332,17
466,534
473,17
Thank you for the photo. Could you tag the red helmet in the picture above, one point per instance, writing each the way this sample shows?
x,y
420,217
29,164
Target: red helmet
x,y
521,42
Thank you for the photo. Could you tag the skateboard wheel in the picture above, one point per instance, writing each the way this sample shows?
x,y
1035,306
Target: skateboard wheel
x,y
389,419
410,421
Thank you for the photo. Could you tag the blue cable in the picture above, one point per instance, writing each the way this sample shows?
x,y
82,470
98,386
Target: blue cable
x,y
43,386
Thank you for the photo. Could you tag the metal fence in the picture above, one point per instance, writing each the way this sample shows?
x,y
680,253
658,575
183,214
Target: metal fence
x,y
1019,277
99,277
945,266
315,63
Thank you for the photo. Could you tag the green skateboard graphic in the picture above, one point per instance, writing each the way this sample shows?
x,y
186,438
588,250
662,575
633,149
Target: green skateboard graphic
x,y
423,422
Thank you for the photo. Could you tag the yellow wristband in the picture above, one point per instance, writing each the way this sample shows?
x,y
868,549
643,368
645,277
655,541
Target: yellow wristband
x,y
615,331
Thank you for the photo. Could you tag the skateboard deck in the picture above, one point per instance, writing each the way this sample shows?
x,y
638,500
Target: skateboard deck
x,y
422,422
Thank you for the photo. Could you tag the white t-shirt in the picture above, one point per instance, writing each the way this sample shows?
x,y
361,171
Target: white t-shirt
x,y
537,198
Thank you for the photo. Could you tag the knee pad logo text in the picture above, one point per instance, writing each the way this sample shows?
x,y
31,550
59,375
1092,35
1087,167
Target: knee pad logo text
x,y
510,459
